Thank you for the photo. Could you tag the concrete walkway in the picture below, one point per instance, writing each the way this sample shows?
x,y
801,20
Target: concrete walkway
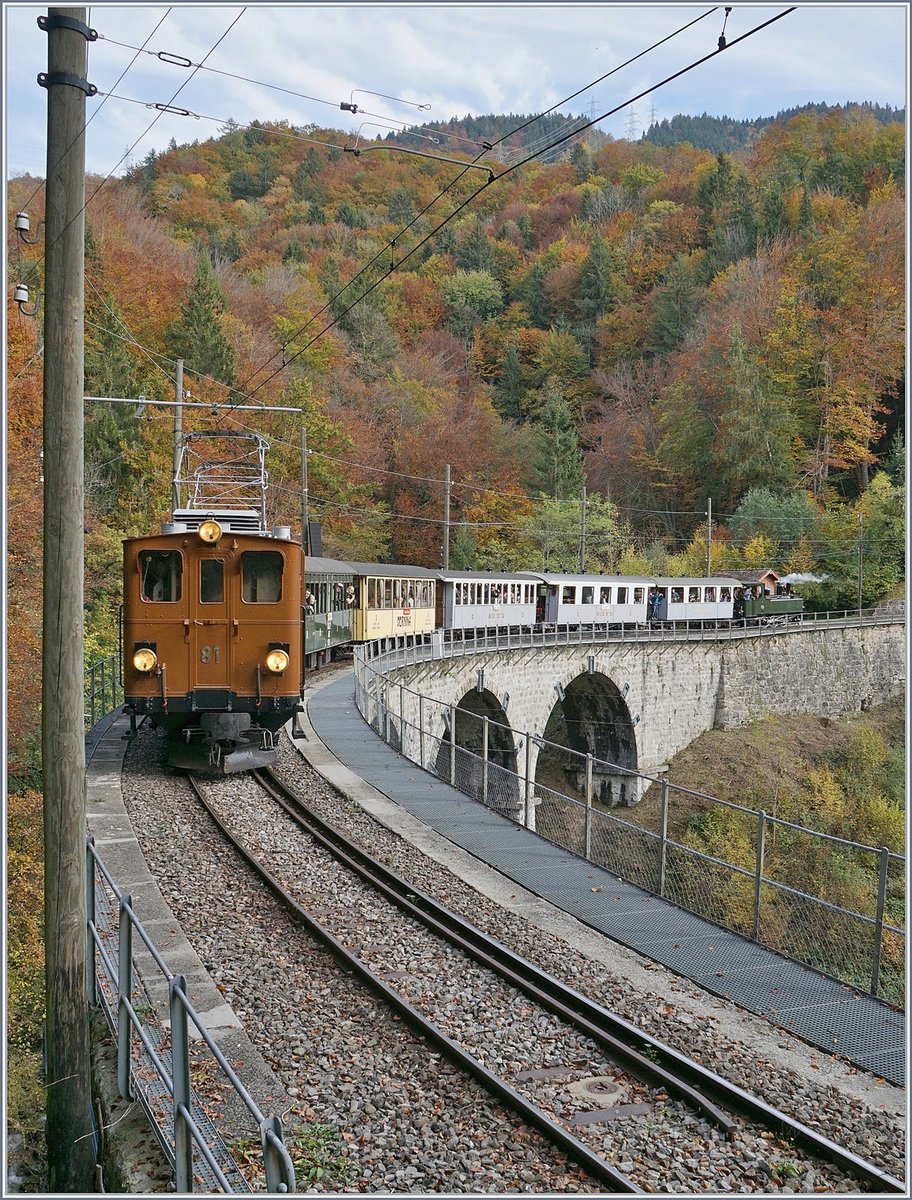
x,y
819,1010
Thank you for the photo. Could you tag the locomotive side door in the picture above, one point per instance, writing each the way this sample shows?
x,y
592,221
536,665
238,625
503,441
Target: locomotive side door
x,y
209,626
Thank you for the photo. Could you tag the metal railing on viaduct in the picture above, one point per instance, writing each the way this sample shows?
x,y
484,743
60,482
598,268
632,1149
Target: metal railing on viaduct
x,y
849,923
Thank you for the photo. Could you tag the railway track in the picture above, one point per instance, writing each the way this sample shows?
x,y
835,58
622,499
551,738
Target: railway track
x,y
597,1057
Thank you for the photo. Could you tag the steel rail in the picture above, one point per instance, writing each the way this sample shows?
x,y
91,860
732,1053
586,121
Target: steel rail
x,y
673,1070
575,1150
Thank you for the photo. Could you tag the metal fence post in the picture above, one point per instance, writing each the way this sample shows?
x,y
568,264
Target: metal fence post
x,y
879,919
761,840
124,989
484,759
528,802
104,689
421,730
90,922
589,806
180,1078
280,1176
384,700
452,745
663,841
402,741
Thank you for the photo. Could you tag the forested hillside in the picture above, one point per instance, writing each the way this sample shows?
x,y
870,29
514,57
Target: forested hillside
x,y
724,135
660,323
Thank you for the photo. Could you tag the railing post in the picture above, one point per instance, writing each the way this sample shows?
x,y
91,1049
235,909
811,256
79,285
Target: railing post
x,y
104,689
879,918
402,741
280,1174
663,841
589,806
124,990
528,799
761,840
384,700
421,729
90,922
180,1078
484,760
452,745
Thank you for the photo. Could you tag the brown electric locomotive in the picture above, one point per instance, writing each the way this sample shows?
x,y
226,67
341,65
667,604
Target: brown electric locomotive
x,y
213,633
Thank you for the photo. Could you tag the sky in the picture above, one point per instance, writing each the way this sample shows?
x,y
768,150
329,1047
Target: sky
x,y
453,58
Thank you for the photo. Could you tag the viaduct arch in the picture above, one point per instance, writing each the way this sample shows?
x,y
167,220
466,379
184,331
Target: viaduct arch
x,y
635,703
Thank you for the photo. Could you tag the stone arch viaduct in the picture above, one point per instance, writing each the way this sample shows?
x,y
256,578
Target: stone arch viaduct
x,y
634,703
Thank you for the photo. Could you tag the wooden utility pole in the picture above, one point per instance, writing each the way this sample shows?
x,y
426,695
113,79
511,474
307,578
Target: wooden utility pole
x,y
582,556
709,537
446,519
305,492
178,432
70,1146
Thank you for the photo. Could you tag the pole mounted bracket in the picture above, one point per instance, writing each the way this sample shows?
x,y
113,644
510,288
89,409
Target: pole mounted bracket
x,y
56,21
45,81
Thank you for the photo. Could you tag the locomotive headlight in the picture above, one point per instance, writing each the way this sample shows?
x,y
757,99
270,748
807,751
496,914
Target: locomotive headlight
x,y
144,659
276,661
210,531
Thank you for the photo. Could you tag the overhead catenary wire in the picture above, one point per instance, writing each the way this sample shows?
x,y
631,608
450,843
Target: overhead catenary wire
x,y
133,146
485,148
594,121
95,113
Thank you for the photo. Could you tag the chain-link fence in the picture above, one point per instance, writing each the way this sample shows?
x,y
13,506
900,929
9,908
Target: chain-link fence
x,y
822,900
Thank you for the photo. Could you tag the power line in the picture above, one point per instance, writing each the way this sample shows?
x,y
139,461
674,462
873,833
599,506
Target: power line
x,y
391,244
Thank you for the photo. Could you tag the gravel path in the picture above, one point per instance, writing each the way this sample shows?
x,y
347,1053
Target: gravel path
x,y
406,1122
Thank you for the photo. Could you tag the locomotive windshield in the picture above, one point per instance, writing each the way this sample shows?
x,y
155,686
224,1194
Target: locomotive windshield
x,y
262,576
160,572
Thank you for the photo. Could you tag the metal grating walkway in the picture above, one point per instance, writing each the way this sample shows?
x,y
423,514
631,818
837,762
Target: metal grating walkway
x,y
818,1009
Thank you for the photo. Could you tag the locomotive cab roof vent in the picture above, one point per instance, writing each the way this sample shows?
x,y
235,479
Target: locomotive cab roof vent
x,y
232,520
282,532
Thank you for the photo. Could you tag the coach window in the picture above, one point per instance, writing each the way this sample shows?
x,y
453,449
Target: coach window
x,y
693,595
709,595
605,595
261,576
160,573
622,595
725,594
638,594
588,595
212,581
677,595
569,596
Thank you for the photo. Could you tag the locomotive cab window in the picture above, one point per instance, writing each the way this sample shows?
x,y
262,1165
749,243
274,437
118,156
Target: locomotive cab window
x,y
261,573
160,574
212,581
